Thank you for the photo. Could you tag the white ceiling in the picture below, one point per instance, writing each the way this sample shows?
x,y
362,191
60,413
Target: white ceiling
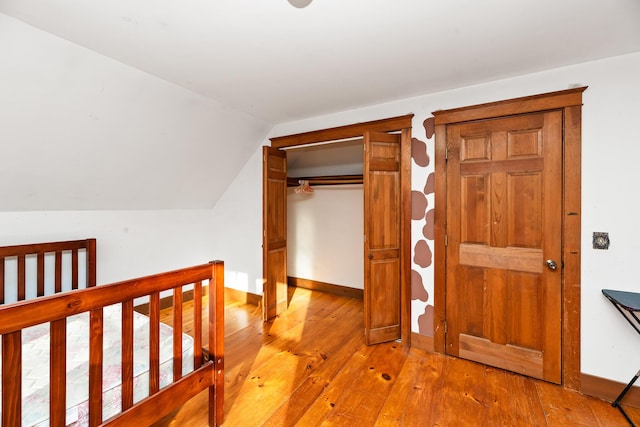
x,y
279,63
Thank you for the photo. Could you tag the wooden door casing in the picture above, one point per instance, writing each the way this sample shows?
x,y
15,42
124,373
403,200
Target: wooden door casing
x,y
274,239
569,102
400,124
504,220
382,262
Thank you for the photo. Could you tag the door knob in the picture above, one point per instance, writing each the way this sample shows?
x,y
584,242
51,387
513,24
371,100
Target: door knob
x,y
551,264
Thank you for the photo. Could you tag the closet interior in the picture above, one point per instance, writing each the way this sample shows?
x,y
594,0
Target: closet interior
x,y
325,215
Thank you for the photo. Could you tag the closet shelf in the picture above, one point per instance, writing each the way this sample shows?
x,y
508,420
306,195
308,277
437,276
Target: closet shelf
x,y
325,180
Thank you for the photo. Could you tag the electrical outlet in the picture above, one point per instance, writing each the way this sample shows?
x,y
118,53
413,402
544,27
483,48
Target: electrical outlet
x,y
600,240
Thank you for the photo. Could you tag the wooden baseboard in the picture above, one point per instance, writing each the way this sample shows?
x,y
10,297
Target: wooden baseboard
x,y
609,390
325,287
422,342
233,294
242,296
166,302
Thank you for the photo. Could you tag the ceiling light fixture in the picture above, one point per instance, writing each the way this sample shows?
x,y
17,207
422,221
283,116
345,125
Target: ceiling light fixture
x,y
300,3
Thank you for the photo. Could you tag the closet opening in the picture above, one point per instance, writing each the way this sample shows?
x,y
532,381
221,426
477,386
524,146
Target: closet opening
x,y
382,240
325,217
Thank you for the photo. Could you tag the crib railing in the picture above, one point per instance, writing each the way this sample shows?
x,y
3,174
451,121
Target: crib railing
x,y
17,256
15,317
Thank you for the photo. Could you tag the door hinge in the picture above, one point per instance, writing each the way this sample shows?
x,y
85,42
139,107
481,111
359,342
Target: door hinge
x,y
446,153
446,240
445,327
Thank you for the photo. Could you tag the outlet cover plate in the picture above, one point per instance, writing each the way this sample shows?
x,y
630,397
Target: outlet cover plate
x,y
600,240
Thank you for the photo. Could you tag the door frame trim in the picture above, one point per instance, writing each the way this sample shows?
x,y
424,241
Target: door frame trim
x,y
570,103
400,124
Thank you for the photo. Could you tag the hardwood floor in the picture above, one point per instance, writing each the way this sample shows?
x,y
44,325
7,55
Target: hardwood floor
x,y
310,367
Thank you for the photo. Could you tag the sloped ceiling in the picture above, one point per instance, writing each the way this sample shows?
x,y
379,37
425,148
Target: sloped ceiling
x,y
280,63
231,69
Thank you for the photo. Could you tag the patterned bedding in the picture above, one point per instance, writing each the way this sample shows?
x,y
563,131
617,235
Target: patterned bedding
x,y
35,373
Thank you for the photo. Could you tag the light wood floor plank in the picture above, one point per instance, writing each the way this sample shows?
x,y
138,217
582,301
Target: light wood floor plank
x,y
310,367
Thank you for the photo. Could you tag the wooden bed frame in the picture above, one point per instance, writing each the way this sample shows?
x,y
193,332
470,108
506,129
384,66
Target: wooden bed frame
x,y
54,309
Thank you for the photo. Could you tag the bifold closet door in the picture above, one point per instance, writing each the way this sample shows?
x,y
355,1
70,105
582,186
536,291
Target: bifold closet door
x,y
382,238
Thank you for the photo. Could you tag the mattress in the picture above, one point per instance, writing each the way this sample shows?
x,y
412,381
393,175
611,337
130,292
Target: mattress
x,y
35,372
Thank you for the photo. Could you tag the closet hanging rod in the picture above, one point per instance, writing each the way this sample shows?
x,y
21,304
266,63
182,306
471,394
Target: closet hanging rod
x,y
325,180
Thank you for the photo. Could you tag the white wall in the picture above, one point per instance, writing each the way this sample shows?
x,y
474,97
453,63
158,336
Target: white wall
x,y
90,147
610,154
324,235
129,243
79,130
237,228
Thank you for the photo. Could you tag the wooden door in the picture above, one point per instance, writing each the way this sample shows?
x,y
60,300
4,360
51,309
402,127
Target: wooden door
x,y
382,237
274,238
504,221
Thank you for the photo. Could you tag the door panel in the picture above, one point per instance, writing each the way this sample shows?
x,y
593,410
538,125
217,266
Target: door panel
x,y
382,237
504,216
274,240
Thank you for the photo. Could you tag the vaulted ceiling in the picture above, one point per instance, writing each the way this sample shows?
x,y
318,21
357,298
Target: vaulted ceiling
x,y
279,63
157,104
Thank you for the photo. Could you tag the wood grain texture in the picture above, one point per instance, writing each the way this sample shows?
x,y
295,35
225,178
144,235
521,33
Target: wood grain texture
x,y
20,253
21,277
343,132
310,366
508,357
55,309
572,214
58,370
440,239
96,357
382,245
495,218
177,334
127,355
527,104
12,379
521,259
569,103
274,225
400,165
325,287
405,236
609,390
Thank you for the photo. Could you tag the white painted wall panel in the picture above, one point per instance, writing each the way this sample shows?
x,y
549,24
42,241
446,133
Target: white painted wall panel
x,y
324,235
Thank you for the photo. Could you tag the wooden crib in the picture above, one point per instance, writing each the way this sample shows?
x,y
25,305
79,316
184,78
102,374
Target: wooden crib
x,y
58,267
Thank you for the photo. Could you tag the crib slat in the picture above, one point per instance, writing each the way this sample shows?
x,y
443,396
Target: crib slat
x,y
40,274
154,343
91,262
12,379
21,277
177,333
197,325
58,272
74,269
2,280
127,354
58,368
95,366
